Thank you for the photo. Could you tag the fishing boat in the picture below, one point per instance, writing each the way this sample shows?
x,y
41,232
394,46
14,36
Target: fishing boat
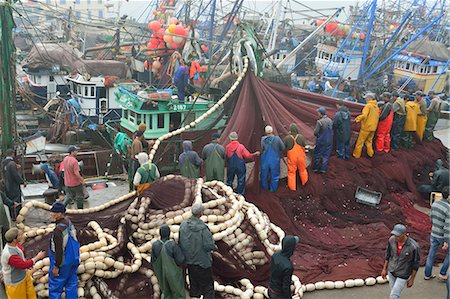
x,y
161,111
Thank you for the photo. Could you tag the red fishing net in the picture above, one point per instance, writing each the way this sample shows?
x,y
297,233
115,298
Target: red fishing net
x,y
341,239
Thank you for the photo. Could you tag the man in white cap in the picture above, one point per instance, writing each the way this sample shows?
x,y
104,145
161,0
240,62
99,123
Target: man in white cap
x,y
197,243
401,261
237,155
271,146
146,174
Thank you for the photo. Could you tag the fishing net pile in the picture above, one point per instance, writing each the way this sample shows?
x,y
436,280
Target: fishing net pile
x,y
117,237
340,239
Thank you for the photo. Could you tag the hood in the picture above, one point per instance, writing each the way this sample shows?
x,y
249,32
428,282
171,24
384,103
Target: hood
x,y
164,232
142,158
195,224
372,103
346,114
187,146
288,245
293,129
439,164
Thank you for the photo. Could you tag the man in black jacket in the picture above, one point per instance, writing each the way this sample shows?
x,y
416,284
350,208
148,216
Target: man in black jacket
x,y
12,179
402,261
439,179
281,269
343,130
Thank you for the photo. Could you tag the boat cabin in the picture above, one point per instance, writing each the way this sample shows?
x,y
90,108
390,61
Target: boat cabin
x,y
344,64
418,73
162,112
96,95
45,83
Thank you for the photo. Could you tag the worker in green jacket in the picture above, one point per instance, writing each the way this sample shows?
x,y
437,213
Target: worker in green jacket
x,y
146,174
214,156
167,259
197,243
189,161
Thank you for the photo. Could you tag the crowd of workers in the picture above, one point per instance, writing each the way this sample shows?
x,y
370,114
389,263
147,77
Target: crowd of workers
x,y
394,122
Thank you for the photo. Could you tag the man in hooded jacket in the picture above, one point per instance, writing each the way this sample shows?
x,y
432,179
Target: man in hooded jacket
x,y
410,128
214,156
383,142
167,258
281,269
369,123
324,134
342,129
189,161
237,155
439,179
296,157
399,110
197,243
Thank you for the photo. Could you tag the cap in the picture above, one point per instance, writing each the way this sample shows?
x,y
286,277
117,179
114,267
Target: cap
x,y
11,234
395,94
233,136
58,207
197,209
431,92
215,136
322,110
139,133
73,148
418,93
370,95
268,130
385,95
399,229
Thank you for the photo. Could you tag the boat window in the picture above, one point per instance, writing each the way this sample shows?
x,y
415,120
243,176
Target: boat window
x,y
428,69
189,117
86,91
175,120
51,78
161,117
102,92
408,66
435,69
103,106
125,113
132,117
149,121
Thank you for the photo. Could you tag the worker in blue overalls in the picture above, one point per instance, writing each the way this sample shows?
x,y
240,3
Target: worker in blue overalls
x,y
237,154
271,146
324,143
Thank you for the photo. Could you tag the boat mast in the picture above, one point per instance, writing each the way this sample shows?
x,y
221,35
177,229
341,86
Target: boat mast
x,y
7,76
276,22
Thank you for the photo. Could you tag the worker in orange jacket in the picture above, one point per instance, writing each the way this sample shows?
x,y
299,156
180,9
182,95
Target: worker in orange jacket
x,y
422,117
296,157
369,123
